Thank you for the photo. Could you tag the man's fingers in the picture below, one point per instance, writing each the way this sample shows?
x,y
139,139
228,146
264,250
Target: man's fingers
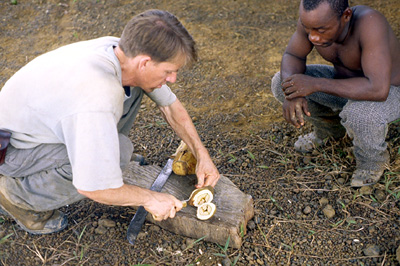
x,y
178,205
288,88
299,114
172,213
287,81
305,109
175,206
293,116
286,115
287,92
215,181
289,113
290,117
157,218
294,120
290,96
200,181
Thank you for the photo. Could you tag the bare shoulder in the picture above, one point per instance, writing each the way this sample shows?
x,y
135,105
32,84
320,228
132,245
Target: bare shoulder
x,y
365,15
369,23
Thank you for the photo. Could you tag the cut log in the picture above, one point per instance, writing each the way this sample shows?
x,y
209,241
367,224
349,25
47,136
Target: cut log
x,y
234,208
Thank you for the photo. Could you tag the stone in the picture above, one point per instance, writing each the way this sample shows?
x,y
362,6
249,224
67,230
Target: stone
x,y
106,223
380,195
323,201
251,225
366,190
226,262
101,230
341,180
307,210
154,228
372,250
307,160
329,211
190,242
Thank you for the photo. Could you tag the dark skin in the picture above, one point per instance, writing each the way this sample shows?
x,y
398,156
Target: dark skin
x,y
361,46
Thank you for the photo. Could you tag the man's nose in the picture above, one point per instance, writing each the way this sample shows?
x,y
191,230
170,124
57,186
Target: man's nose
x,y
171,78
313,37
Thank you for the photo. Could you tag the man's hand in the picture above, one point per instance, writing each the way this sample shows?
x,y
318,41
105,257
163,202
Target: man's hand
x,y
207,173
178,118
163,206
298,85
294,110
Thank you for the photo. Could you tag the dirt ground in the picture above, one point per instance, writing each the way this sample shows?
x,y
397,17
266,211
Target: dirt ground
x,y
226,92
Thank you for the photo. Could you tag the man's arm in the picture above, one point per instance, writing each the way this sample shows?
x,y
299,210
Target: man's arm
x,y
161,205
296,52
375,62
294,62
180,121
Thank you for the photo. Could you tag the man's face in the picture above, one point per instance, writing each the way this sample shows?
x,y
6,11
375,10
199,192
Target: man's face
x,y
321,24
156,74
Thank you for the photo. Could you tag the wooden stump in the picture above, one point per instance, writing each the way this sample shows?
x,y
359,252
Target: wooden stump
x,y
234,208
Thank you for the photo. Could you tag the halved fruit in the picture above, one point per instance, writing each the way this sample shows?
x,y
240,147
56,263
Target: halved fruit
x,y
201,195
206,210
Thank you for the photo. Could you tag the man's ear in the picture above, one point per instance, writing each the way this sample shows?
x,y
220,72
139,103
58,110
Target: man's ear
x,y
347,14
144,61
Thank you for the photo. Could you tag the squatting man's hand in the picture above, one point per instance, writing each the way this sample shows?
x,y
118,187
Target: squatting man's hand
x,y
163,206
298,85
294,110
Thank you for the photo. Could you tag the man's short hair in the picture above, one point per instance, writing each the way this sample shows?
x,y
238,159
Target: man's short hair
x,y
158,34
339,6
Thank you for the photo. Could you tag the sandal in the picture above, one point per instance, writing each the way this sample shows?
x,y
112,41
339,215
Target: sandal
x,y
362,178
307,143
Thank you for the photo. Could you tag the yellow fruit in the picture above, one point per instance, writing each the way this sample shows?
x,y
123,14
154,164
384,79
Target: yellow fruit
x,y
201,196
206,210
184,161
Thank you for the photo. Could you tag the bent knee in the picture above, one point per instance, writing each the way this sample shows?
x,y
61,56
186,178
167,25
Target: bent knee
x,y
276,87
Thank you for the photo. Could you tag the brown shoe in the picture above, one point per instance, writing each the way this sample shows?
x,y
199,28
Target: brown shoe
x,y
36,223
362,178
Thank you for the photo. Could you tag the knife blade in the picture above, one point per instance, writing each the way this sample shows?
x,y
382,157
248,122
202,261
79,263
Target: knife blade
x,y
140,216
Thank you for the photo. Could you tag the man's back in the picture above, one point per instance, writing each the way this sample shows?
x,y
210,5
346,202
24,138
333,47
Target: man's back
x,y
79,78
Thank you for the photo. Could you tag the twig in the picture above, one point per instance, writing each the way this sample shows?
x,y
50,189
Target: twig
x,y
372,208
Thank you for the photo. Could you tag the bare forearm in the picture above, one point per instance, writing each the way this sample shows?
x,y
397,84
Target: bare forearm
x,y
180,121
161,205
359,88
127,195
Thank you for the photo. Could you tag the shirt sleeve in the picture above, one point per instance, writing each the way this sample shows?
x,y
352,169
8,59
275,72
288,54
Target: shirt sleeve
x,y
92,143
162,96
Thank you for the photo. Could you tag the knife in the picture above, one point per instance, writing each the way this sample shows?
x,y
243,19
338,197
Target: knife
x,y
140,216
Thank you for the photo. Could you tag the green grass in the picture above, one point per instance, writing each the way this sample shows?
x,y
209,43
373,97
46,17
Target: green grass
x,y
225,254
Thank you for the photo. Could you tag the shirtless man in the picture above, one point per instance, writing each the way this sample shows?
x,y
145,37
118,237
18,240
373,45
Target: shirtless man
x,y
359,95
